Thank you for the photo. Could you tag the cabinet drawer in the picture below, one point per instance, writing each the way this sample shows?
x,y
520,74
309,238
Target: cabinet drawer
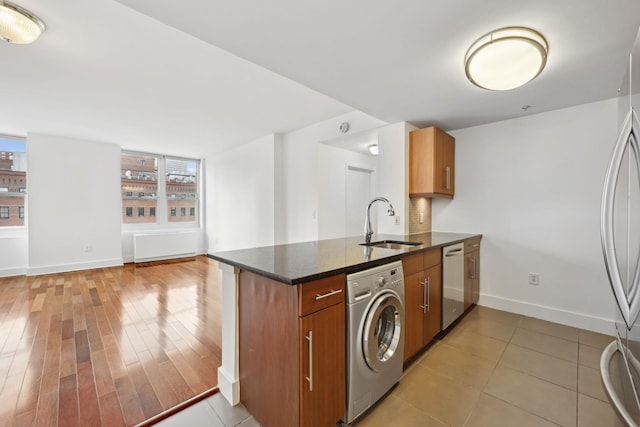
x,y
319,294
412,264
432,257
472,244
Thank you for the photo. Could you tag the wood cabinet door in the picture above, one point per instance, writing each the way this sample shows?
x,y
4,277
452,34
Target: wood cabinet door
x,y
449,153
469,268
475,290
471,278
421,161
413,314
432,319
440,163
322,367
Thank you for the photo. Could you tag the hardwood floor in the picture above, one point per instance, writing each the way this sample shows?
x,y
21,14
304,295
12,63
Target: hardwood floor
x,y
107,347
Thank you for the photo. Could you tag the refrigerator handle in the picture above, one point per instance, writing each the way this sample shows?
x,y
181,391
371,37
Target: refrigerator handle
x,y
628,302
605,373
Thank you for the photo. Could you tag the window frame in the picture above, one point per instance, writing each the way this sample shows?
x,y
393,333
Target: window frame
x,y
10,230
162,214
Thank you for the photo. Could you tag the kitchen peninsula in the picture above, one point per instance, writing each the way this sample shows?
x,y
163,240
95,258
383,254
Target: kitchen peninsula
x,y
271,297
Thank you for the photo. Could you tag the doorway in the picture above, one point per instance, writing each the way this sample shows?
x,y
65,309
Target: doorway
x,y
359,184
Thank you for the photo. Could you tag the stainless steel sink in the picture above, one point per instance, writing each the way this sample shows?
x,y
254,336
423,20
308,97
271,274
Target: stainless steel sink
x,y
391,244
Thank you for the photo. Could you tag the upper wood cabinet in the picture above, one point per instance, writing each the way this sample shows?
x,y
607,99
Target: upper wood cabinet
x,y
431,163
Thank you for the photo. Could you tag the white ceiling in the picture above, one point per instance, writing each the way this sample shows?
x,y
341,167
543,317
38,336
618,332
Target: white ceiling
x,y
181,77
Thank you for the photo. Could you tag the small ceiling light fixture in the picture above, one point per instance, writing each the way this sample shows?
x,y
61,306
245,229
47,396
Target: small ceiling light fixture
x,y
506,58
18,25
373,149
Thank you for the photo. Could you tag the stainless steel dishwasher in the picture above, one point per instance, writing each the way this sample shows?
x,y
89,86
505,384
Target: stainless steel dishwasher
x,y
452,283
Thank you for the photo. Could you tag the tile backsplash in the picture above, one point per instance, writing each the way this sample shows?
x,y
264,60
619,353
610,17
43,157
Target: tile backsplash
x,y
419,207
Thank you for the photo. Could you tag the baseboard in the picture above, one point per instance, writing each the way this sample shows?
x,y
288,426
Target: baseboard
x,y
229,387
190,255
164,261
129,258
551,314
10,272
63,268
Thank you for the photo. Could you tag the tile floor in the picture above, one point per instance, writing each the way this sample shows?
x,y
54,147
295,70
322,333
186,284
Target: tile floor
x,y
501,369
494,369
214,411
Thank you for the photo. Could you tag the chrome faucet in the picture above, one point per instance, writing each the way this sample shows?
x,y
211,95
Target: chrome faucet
x,y
368,232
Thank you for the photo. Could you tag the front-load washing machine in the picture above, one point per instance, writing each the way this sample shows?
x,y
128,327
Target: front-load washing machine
x,y
375,335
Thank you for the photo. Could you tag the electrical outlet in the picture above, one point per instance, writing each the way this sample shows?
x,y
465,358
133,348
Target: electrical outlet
x,y
87,248
397,220
534,279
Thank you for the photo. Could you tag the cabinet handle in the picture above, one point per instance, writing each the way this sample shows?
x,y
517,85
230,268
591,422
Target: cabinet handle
x,y
328,294
428,294
310,377
475,268
448,169
425,294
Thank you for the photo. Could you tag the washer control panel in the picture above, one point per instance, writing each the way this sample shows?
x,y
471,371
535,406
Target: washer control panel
x,y
364,284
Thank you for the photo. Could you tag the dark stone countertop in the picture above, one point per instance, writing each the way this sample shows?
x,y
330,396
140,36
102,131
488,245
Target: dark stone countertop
x,y
298,263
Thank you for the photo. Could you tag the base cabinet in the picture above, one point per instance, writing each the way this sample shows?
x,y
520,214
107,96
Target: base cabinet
x,y
292,350
472,272
322,353
423,300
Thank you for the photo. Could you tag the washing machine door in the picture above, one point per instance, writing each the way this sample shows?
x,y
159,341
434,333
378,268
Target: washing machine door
x,y
382,337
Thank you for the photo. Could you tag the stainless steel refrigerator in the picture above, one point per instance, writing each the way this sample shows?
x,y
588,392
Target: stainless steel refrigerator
x,y
620,233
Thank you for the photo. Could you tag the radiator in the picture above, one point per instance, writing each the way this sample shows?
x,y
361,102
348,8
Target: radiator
x,y
153,247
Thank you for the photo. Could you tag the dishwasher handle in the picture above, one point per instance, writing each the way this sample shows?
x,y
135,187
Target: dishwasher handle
x,y
453,252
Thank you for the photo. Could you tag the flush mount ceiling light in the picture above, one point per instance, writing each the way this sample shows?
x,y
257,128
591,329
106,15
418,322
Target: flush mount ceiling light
x,y
373,149
18,25
506,58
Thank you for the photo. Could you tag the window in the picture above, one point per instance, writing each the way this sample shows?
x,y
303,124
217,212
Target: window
x,y
138,172
143,187
13,175
181,188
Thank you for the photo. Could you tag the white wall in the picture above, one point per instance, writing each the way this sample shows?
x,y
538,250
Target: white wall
x,y
532,187
240,192
332,186
393,176
13,252
74,209
300,173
